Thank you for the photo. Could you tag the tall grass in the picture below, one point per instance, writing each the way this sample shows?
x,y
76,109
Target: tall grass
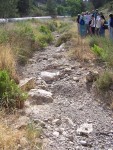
x,y
7,59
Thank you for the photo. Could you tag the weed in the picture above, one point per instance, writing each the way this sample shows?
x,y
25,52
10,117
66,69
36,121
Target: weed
x,y
104,82
33,134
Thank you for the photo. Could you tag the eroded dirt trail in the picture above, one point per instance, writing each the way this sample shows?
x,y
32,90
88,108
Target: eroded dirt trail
x,y
73,105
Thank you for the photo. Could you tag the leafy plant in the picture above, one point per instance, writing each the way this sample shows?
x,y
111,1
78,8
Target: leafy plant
x,y
10,93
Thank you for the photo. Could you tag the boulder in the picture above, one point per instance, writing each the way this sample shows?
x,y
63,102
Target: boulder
x,y
57,122
85,129
27,83
61,48
40,96
41,84
92,76
56,134
49,76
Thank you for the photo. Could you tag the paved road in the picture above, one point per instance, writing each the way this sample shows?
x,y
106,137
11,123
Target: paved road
x,y
27,18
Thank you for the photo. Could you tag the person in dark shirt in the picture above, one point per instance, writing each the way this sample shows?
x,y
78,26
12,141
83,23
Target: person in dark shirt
x,y
78,23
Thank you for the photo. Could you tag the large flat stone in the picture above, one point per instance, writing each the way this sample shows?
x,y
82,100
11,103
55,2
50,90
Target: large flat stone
x,y
85,128
49,76
40,96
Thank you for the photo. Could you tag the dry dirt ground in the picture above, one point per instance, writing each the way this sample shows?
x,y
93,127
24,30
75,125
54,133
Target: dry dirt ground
x,y
73,105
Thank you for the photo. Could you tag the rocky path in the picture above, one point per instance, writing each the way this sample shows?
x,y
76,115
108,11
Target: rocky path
x,y
71,117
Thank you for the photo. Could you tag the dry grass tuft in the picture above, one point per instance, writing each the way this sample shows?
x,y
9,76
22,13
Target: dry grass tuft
x,y
14,139
80,49
7,60
9,138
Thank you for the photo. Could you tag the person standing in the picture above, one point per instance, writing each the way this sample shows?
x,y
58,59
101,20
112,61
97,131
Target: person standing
x,y
87,20
78,24
82,25
92,25
98,24
102,29
110,26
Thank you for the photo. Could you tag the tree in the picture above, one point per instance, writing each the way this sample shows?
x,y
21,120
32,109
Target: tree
x,y
51,7
74,6
8,8
61,10
24,7
99,3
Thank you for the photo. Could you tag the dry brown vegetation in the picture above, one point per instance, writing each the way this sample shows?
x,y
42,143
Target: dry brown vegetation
x,y
14,139
7,60
79,47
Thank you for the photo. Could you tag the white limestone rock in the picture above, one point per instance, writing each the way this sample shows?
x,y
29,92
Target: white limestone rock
x,y
40,96
49,76
85,128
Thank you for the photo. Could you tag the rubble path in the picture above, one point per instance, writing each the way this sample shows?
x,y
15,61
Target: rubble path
x,y
73,104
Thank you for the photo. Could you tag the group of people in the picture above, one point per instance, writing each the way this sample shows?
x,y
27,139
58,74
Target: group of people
x,y
94,23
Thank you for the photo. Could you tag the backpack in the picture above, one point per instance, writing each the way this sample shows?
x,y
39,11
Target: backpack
x,y
105,25
82,22
111,22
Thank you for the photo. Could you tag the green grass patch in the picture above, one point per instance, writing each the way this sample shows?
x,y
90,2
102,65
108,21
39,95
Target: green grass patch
x,y
103,48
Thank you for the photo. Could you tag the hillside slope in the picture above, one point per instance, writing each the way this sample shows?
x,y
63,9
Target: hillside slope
x,y
107,8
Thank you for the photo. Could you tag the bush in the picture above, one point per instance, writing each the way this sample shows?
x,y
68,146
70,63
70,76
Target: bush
x,y
100,52
10,93
104,81
63,39
103,48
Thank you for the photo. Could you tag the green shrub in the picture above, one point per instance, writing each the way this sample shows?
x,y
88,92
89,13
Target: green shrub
x,y
103,48
25,37
96,49
63,39
93,41
44,29
10,93
100,52
52,25
104,81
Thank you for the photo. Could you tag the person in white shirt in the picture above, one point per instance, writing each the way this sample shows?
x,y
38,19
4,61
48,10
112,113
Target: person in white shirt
x,y
87,18
93,24
98,24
